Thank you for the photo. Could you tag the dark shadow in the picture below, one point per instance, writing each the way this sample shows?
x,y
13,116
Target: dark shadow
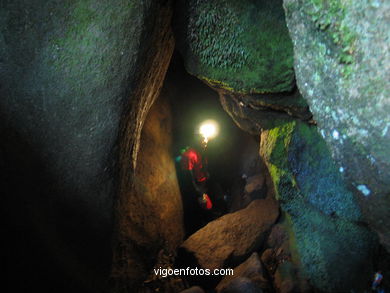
x,y
192,102
52,241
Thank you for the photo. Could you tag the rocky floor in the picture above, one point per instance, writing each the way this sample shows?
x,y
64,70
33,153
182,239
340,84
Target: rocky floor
x,y
252,240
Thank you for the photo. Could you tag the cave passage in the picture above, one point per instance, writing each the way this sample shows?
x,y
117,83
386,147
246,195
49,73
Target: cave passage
x,y
98,98
193,102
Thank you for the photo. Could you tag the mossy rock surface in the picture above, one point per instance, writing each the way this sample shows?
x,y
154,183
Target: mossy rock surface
x,y
322,212
342,57
242,46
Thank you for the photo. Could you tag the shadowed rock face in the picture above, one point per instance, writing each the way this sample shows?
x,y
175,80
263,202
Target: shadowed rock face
x,y
70,72
252,113
342,59
151,212
134,254
156,185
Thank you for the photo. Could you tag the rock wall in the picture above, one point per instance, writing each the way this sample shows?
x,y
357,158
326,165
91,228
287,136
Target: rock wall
x,y
323,214
323,218
151,214
155,178
134,253
77,80
71,73
342,59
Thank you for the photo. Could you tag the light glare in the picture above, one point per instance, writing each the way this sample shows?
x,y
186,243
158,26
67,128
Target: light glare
x,y
208,129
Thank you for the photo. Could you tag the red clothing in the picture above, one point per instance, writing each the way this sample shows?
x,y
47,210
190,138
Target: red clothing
x,y
192,160
208,202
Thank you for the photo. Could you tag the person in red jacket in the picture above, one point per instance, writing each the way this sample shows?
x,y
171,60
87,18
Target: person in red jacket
x,y
193,162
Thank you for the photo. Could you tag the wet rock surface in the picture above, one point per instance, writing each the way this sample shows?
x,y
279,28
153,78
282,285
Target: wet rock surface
x,y
342,67
229,239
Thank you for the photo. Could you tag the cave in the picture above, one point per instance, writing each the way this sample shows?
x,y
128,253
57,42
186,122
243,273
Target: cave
x,y
99,102
229,157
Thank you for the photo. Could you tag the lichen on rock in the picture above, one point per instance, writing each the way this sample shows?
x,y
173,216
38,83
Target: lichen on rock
x,y
342,58
242,45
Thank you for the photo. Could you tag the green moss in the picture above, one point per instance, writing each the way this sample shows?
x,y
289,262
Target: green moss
x,y
242,44
216,83
287,224
300,163
275,152
217,43
324,243
278,140
320,209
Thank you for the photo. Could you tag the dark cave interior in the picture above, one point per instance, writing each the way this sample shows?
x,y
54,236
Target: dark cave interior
x,y
97,100
224,153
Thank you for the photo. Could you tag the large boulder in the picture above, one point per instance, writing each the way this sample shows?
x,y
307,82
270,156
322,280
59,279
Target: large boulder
x,y
342,57
242,46
323,215
72,77
230,239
